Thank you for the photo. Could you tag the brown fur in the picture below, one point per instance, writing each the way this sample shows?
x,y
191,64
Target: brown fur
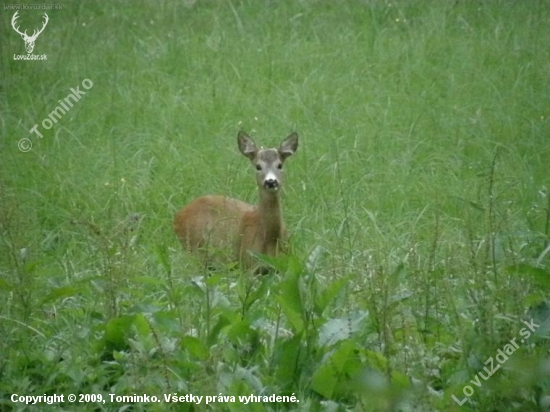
x,y
223,229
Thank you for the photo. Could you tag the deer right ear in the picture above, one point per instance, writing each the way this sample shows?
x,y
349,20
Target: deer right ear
x,y
289,146
246,145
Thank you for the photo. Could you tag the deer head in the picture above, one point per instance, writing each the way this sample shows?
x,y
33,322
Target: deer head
x,y
268,162
29,40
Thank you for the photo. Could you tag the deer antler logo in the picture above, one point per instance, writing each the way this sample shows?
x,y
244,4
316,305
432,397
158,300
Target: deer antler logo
x,y
29,40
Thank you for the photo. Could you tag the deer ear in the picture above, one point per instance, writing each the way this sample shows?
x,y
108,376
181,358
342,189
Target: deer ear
x,y
246,145
289,146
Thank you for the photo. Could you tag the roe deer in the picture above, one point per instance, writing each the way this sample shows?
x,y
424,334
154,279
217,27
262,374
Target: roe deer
x,y
212,224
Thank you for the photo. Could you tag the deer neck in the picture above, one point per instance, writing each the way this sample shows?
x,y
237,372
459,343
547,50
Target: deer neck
x,y
270,214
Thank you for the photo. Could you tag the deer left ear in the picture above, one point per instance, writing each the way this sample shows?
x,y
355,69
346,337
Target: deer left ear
x,y
289,146
246,145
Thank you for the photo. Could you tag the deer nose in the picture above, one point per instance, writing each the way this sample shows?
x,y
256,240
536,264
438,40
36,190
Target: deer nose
x,y
271,183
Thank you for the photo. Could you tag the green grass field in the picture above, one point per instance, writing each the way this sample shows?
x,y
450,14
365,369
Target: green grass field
x,y
417,202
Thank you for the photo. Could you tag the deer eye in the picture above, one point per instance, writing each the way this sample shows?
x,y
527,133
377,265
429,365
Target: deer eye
x,y
258,167
280,166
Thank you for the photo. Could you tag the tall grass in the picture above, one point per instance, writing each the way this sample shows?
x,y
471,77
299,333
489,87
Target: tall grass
x,y
418,203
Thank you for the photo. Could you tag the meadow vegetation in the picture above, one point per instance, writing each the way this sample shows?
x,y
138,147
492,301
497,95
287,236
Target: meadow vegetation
x,y
417,202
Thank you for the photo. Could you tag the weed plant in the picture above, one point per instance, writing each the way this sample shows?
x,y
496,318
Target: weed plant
x,y
418,204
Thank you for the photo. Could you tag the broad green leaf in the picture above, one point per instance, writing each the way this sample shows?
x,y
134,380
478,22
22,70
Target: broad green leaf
x,y
335,330
350,370
314,258
240,332
377,361
141,325
59,293
251,293
5,285
394,300
290,299
116,333
167,320
294,266
330,375
286,359
214,279
199,283
540,314
215,331
326,297
400,273
540,276
195,347
279,263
